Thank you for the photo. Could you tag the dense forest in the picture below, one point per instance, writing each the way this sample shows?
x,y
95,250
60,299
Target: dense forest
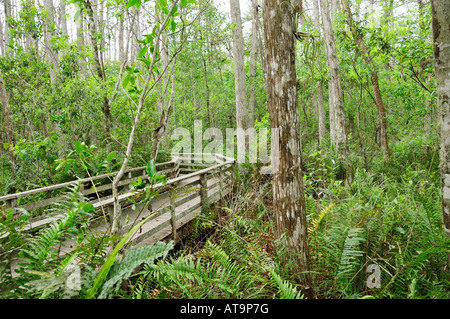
x,y
350,198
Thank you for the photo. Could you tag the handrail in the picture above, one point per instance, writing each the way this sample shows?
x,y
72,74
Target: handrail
x,y
62,185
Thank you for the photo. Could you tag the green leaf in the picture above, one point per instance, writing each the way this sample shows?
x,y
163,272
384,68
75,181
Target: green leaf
x,y
88,207
78,147
163,3
183,3
126,80
111,156
151,168
110,261
136,3
142,52
173,25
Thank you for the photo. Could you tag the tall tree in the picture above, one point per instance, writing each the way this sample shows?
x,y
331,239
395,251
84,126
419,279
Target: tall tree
x,y
8,123
52,55
441,46
252,71
239,75
288,190
99,67
319,86
373,77
338,131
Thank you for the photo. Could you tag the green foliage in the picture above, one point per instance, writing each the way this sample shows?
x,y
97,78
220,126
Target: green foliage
x,y
122,269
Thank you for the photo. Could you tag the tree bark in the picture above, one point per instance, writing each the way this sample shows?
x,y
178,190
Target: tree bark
x,y
2,39
52,55
8,123
7,6
336,100
239,77
319,85
122,53
63,21
441,47
252,71
288,192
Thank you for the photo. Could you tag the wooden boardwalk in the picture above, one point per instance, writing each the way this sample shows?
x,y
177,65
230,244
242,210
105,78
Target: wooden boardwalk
x,y
194,182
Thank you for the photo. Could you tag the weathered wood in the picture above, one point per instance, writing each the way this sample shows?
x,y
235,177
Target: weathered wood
x,y
203,194
172,217
180,200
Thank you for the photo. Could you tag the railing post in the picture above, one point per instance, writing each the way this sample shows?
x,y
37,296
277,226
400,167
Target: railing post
x,y
12,204
130,176
173,216
203,194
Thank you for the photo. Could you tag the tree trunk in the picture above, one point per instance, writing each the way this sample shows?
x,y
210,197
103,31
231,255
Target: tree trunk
x,y
122,53
374,79
2,39
8,123
336,100
106,109
52,55
239,77
441,46
63,21
319,85
7,5
288,192
252,73
81,43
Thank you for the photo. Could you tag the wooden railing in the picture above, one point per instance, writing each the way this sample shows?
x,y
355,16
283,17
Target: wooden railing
x,y
194,181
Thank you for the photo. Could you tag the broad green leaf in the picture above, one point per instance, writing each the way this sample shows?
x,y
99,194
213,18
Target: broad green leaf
x,y
151,168
111,156
104,271
163,3
142,52
183,3
88,207
78,147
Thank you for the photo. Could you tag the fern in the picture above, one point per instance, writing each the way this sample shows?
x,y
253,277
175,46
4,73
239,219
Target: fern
x,y
350,257
285,288
316,222
135,257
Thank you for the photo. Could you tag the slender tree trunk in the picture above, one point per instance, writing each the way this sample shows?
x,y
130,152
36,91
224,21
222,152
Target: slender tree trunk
x,y
8,123
63,19
259,36
289,200
239,77
7,6
319,85
374,79
336,100
2,39
81,43
441,45
252,73
52,55
106,109
122,54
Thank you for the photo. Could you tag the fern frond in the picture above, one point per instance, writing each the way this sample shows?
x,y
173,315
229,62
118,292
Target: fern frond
x,y
135,257
316,222
351,253
285,288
